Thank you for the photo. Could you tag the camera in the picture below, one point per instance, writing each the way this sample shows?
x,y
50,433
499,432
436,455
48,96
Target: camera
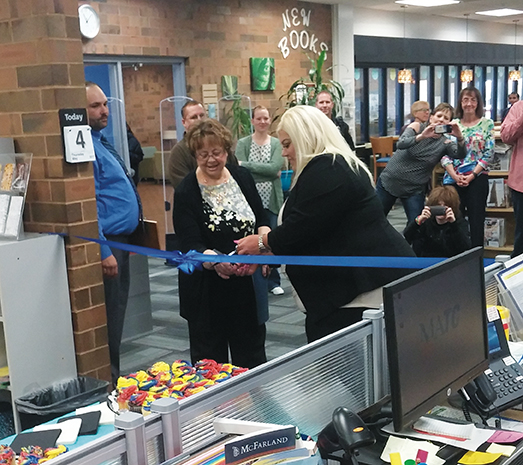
x,y
437,210
443,129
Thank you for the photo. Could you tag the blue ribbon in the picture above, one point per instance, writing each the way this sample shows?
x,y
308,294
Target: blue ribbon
x,y
192,260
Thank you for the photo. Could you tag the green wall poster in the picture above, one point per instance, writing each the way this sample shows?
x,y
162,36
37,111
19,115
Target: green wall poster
x,y
262,74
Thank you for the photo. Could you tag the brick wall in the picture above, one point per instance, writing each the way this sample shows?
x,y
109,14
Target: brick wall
x,y
41,71
217,37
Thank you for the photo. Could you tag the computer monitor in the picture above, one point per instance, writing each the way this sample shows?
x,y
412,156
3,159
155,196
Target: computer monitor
x,y
436,330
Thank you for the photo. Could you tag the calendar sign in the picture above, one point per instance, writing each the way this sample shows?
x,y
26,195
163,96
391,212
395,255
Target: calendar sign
x,y
76,135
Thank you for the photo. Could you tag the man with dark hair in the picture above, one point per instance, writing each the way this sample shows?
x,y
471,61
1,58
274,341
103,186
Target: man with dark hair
x,y
325,103
512,99
119,211
181,162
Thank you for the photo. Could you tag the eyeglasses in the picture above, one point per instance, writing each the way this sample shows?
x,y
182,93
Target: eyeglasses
x,y
214,154
422,109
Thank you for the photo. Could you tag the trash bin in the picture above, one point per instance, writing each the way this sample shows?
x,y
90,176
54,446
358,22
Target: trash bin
x,y
61,398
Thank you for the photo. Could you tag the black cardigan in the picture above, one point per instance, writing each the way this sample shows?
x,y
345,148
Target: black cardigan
x,y
334,211
193,234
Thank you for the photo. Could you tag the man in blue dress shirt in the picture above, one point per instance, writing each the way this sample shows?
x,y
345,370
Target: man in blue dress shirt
x,y
118,207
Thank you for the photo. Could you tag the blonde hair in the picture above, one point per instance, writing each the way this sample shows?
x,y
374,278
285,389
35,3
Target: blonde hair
x,y
418,105
312,134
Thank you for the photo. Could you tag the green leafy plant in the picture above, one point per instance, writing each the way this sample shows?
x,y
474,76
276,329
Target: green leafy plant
x,y
237,118
302,92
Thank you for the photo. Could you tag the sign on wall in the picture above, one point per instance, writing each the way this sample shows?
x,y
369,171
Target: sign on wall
x,y
76,135
297,23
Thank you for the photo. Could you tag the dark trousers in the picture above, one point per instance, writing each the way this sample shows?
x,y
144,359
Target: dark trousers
x,y
473,201
231,324
517,203
116,295
339,319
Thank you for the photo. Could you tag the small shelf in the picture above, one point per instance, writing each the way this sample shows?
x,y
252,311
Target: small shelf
x,y
499,210
505,248
498,174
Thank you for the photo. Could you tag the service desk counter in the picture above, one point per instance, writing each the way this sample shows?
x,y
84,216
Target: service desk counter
x,y
301,388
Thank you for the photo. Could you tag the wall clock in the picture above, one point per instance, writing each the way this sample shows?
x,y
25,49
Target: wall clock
x,y
89,21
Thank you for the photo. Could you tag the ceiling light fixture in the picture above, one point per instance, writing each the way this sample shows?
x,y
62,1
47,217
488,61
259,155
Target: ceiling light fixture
x,y
467,75
500,12
404,75
515,75
427,3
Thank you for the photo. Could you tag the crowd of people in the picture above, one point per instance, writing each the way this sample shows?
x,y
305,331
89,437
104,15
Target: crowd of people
x,y
230,202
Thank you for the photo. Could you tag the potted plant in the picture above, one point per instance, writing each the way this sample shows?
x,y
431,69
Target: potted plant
x,y
302,92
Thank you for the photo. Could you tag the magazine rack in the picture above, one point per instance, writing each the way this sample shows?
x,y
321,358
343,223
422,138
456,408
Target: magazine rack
x,y
14,177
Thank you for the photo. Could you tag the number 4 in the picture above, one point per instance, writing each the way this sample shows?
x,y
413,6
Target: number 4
x,y
80,139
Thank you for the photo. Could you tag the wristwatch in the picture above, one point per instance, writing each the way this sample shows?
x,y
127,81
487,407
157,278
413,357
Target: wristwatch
x,y
261,245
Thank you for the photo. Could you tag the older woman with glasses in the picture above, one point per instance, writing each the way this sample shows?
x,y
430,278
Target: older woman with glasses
x,y
214,206
420,148
470,175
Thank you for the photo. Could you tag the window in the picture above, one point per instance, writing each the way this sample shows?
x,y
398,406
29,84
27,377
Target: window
x,y
439,81
489,78
453,85
392,102
359,102
375,101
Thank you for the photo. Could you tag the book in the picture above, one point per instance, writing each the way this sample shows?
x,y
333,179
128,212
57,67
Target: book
x,y
498,195
455,431
500,160
494,232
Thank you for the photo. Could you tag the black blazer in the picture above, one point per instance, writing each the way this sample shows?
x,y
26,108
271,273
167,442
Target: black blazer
x,y
193,234
334,211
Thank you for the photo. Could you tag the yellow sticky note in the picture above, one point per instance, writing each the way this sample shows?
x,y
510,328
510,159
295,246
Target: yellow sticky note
x,y
395,458
478,458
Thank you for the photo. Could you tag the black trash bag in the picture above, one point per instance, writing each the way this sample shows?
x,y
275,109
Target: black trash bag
x,y
61,398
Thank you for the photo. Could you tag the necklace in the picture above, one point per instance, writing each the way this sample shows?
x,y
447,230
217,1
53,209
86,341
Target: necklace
x,y
212,182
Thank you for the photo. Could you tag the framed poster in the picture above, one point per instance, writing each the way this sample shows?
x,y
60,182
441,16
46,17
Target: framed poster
x,y
263,76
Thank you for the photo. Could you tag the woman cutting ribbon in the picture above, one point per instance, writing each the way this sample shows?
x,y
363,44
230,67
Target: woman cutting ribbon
x,y
332,210
214,206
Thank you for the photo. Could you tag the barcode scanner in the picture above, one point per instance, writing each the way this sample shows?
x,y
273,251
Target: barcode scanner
x,y
347,432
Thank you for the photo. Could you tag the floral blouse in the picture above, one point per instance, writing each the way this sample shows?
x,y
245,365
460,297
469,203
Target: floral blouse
x,y
226,209
479,140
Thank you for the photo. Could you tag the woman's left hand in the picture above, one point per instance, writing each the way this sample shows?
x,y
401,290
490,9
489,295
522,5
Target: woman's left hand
x,y
225,270
248,245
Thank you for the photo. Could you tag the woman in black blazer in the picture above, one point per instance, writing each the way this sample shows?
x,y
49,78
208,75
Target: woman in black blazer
x,y
214,206
332,210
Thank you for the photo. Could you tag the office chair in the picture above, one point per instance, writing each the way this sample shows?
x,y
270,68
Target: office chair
x,y
382,148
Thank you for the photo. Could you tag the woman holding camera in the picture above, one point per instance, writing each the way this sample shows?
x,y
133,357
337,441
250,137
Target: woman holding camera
x,y
419,150
440,230
470,175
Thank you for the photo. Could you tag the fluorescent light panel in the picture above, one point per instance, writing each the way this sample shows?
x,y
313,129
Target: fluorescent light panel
x,y
500,12
427,3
